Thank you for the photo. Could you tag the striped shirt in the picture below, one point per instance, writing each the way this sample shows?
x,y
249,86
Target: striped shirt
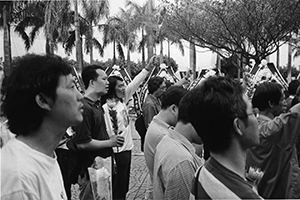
x,y
214,181
175,164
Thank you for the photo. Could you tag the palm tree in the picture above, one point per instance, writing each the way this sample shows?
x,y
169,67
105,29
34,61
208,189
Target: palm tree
x,y
93,12
6,8
143,21
113,32
129,22
52,16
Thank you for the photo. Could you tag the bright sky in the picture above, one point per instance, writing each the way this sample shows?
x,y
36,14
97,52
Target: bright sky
x,y
204,58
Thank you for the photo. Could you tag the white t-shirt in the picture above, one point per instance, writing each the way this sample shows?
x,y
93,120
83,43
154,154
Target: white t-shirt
x,y
29,174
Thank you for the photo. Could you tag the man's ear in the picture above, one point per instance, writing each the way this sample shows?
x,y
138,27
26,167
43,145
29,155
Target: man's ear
x,y
43,101
174,109
270,104
237,126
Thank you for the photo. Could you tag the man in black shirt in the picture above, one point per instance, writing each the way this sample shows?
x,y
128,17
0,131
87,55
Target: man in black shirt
x,y
91,138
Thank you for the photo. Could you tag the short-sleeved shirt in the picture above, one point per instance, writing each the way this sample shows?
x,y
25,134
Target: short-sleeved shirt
x,y
151,107
214,181
175,164
92,127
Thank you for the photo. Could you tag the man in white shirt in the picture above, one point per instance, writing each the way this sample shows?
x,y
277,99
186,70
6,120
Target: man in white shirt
x,y
40,103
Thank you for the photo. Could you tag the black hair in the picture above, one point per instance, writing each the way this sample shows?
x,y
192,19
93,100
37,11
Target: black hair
x,y
89,73
154,83
266,92
33,74
211,108
172,96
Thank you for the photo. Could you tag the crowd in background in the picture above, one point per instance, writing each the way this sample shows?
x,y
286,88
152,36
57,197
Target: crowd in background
x,y
53,134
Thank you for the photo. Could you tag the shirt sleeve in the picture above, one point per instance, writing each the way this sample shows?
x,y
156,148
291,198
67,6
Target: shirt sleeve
x,y
179,181
134,84
149,112
83,132
284,129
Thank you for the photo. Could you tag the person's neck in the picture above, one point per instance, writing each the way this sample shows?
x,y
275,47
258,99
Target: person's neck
x,y
91,95
185,130
45,139
267,114
233,160
164,116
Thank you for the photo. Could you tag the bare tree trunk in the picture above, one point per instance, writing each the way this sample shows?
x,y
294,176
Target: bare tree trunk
x,y
7,43
289,64
193,59
79,55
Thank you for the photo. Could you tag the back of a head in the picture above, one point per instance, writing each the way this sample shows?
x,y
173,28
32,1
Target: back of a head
x,y
211,108
172,96
32,75
293,86
154,83
89,73
265,93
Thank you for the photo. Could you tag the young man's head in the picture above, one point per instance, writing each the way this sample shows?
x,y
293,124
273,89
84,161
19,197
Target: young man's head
x,y
95,79
220,112
293,86
40,88
170,102
157,86
269,96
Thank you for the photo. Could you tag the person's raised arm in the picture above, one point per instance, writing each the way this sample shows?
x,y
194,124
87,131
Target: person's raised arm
x,y
138,79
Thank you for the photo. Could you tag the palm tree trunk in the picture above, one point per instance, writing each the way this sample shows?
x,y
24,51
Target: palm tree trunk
x,y
277,58
143,51
169,54
128,61
7,43
161,58
91,42
114,52
289,64
149,31
193,59
79,55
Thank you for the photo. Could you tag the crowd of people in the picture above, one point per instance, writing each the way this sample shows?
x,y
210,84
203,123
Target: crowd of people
x,y
251,144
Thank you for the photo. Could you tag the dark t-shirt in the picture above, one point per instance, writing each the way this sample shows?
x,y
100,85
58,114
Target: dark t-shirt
x,y
92,127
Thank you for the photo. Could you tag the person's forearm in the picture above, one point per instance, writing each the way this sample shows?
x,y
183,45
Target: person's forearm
x,y
95,145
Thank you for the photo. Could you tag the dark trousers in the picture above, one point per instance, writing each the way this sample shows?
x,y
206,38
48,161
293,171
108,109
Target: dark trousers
x,y
121,177
62,159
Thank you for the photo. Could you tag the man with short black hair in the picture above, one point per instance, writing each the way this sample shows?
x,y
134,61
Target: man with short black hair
x,y
40,101
91,138
222,115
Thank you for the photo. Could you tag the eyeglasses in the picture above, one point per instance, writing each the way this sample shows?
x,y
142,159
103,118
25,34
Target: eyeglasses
x,y
254,112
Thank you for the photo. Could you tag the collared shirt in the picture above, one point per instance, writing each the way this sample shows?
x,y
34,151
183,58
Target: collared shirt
x,y
175,164
92,127
276,155
151,107
156,131
214,181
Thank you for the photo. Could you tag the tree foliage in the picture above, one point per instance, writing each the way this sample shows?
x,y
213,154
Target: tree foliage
x,y
251,28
